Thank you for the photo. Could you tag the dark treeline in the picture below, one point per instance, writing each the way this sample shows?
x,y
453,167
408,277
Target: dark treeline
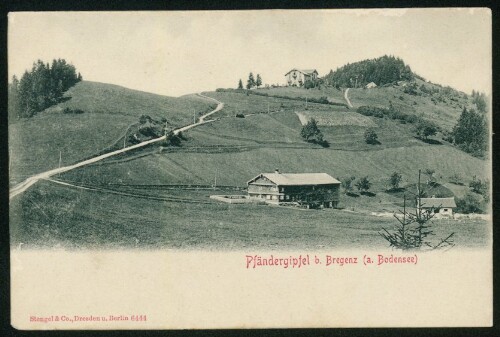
x,y
382,70
40,88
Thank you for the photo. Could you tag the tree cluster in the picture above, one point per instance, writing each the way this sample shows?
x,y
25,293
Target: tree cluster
x,y
362,185
382,70
252,82
41,87
471,133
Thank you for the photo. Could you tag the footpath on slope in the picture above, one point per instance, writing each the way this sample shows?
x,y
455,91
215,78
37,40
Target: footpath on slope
x,y
23,186
347,98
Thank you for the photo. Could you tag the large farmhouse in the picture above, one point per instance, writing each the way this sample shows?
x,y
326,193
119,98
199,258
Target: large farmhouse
x,y
310,189
297,77
443,207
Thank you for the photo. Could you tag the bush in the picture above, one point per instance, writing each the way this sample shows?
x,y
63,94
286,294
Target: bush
x,y
478,186
145,118
363,184
456,179
470,203
372,111
347,183
172,139
395,180
240,115
371,137
309,84
424,129
72,111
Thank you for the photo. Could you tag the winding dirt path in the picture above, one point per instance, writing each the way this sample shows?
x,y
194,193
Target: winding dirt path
x,y
347,98
21,187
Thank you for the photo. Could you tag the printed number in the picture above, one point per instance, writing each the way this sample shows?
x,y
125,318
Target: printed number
x,y
139,318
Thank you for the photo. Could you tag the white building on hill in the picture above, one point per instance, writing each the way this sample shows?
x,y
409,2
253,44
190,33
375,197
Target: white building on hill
x,y
297,77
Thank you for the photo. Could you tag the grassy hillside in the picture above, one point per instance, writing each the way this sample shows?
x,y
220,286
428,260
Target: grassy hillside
x,y
129,205
444,109
108,110
236,149
235,168
241,103
74,219
435,103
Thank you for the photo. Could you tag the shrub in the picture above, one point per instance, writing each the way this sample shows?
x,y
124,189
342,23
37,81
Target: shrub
x,y
145,118
72,111
395,180
456,179
347,184
371,137
372,111
470,203
172,139
478,186
424,129
309,84
363,184
240,115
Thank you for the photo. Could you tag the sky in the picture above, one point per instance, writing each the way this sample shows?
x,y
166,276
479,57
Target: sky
x,y
177,53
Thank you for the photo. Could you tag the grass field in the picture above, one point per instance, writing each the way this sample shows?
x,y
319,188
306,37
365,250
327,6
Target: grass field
x,y
34,143
55,216
336,118
240,103
332,94
235,168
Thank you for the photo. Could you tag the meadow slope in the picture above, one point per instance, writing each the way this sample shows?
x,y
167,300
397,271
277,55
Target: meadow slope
x,y
108,111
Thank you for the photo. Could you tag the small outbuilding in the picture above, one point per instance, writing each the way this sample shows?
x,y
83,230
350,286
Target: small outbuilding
x,y
441,206
370,85
310,189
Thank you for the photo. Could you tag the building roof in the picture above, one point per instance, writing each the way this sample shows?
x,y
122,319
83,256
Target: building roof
x,y
303,71
283,179
438,202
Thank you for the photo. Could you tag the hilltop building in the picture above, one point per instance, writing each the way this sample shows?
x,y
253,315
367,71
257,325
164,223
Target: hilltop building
x,y
310,189
297,77
443,207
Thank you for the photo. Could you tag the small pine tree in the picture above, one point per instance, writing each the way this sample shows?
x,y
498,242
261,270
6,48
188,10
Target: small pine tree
x,y
395,180
258,81
240,84
250,81
414,228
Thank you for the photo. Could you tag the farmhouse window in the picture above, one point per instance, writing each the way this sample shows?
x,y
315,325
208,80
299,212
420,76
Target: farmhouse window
x,y
287,197
281,197
445,210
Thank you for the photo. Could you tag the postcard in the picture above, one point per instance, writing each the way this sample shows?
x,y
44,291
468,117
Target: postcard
x,y
250,169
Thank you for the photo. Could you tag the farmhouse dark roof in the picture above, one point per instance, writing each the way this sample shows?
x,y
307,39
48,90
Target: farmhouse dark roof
x,y
307,71
283,179
438,202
